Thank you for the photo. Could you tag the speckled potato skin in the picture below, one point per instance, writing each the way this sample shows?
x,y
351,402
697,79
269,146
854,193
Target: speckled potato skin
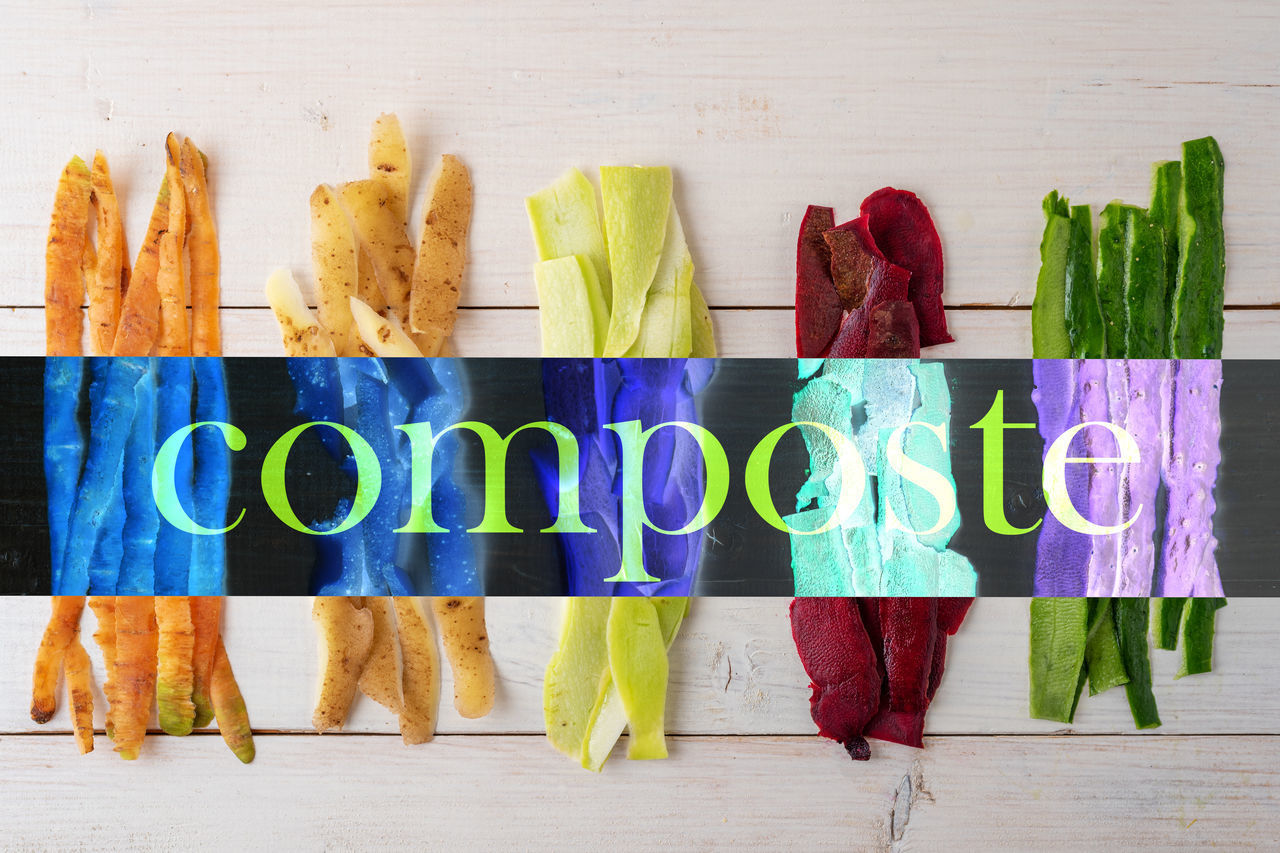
x,y
466,643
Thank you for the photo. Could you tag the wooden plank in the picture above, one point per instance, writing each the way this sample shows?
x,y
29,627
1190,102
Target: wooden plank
x,y
734,671
740,333
306,793
981,110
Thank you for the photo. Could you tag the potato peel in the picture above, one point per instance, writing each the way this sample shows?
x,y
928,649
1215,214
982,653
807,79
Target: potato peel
x,y
381,679
346,641
301,332
334,260
466,644
421,672
442,249
389,163
383,239
381,336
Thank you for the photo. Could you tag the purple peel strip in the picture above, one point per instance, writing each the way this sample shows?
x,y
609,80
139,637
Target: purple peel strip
x,y
585,394
1062,554
1147,388
1104,478
1188,566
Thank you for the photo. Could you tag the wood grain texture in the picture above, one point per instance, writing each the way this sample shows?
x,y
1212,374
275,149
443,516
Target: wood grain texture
x,y
734,671
959,793
740,333
981,111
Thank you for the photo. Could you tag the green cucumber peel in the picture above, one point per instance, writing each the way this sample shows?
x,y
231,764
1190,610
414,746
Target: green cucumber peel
x,y
1102,651
1048,312
1166,185
1113,239
1059,634
608,718
1144,286
1197,635
565,312
1166,621
637,203
1084,313
1196,305
1132,617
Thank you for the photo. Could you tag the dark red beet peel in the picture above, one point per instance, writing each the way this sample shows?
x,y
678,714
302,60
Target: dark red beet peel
x,y
874,664
903,230
818,309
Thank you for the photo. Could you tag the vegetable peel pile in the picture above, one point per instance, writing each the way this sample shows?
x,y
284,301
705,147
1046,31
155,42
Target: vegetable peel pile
x,y
375,397
838,549
106,536
1170,411
158,650
872,286
385,648
1157,287
1104,642
608,674
376,294
621,284
874,664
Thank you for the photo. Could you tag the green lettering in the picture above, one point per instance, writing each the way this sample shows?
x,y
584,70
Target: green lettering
x,y
422,441
368,478
634,516
993,427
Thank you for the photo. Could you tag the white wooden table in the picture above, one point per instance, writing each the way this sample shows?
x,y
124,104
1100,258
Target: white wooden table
x,y
746,765
761,108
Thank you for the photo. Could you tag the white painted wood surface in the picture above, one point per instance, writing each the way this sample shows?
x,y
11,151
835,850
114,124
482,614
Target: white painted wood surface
x,y
980,108
767,793
745,766
740,333
734,671
981,111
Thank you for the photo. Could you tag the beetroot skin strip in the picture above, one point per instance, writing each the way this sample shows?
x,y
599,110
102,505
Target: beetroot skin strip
x,y
818,308
909,625
903,230
838,657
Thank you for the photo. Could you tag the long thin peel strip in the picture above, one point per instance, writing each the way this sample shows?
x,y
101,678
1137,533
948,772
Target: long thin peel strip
x,y
100,482
142,518
1061,553
212,478
1188,565
1147,386
64,450
173,546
